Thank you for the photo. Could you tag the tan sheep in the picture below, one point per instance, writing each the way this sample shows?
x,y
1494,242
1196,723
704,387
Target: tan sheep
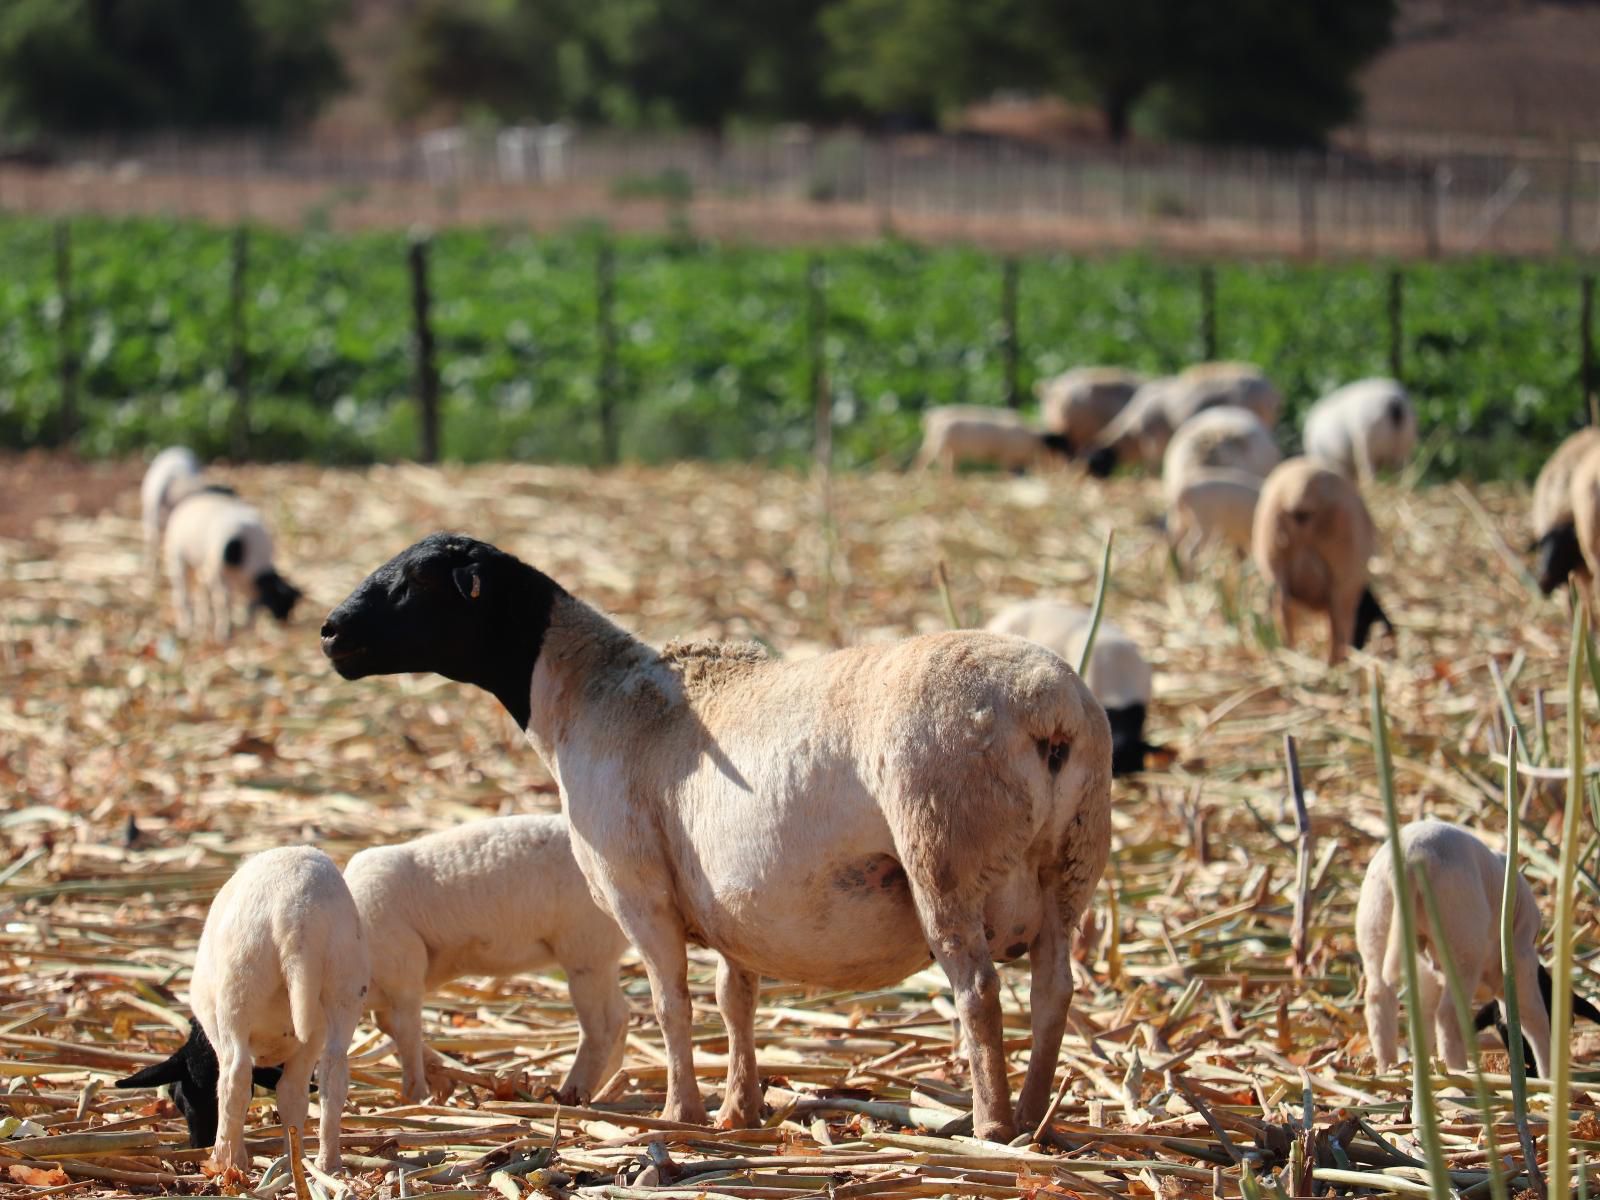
x,y
1081,402
1585,491
1213,507
1223,438
1311,540
993,437
1554,529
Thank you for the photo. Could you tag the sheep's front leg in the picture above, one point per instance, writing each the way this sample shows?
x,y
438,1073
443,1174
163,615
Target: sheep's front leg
x,y
333,1078
1050,963
221,610
402,1021
956,936
1531,1011
1452,1044
736,1000
658,936
233,1101
602,1021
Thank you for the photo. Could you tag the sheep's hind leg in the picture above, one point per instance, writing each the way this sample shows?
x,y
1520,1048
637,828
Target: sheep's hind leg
x,y
333,1077
233,1101
402,1021
602,1020
294,1093
1050,963
736,999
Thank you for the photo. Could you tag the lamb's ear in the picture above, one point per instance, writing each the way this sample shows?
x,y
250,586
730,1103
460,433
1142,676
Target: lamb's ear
x,y
468,582
155,1074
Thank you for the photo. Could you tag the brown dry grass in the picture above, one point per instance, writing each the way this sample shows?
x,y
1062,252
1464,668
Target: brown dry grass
x,y
1188,1009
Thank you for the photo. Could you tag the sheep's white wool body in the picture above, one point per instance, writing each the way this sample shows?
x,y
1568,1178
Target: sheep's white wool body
x,y
1083,401
279,977
199,533
159,490
949,791
494,897
970,433
1143,429
1117,672
1467,880
1213,506
1362,427
1552,490
1222,438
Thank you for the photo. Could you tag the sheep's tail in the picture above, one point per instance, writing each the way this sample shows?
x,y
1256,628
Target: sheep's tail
x,y
305,996
1397,940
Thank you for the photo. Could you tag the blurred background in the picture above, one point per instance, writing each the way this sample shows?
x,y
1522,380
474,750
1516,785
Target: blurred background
x,y
356,230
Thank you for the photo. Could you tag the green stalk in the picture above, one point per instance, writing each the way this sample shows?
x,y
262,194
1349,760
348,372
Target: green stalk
x,y
1508,970
1460,1000
1560,1149
1424,1114
1099,603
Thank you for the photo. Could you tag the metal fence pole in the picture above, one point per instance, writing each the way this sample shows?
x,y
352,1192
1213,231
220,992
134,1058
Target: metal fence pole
x,y
606,336
816,350
1586,377
427,374
68,356
1010,351
238,357
1396,323
1208,313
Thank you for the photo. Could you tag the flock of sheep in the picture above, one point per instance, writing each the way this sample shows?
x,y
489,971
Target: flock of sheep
x,y
945,797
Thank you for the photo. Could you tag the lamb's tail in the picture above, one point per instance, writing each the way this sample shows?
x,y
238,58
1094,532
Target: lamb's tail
x,y
305,996
1397,940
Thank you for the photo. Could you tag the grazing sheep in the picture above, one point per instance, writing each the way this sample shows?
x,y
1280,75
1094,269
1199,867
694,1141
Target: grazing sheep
x,y
492,897
158,492
1159,408
1494,1013
1586,521
948,792
1554,529
995,437
1467,879
1221,438
1117,673
278,978
1311,540
1213,506
192,1073
1361,428
221,539
1081,402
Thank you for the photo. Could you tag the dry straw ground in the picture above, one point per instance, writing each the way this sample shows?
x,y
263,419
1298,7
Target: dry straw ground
x,y
137,771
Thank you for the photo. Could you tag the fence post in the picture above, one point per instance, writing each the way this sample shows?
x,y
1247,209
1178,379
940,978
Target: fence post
x,y
1308,209
427,374
238,369
821,394
1569,185
1208,313
68,355
1009,349
1586,348
1428,199
606,337
1396,324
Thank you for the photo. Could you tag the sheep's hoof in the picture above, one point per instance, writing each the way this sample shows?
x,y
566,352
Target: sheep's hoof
x,y
995,1131
739,1116
571,1096
686,1113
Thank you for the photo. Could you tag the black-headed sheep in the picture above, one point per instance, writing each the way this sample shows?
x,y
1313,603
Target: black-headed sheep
x,y
216,539
991,437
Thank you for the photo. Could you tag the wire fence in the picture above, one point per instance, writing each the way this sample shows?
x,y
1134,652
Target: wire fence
x,y
800,185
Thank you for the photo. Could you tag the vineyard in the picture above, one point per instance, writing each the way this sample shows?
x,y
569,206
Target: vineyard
x,y
713,344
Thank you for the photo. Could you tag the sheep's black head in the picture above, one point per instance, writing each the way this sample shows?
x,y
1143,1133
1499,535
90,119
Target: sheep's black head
x,y
1102,462
1493,1013
1559,556
1368,614
276,594
1057,443
452,605
1127,739
192,1074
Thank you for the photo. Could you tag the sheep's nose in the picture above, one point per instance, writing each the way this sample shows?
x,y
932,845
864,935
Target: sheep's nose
x,y
330,628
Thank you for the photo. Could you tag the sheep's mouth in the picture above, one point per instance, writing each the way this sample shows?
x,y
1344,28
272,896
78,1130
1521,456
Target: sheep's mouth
x,y
344,657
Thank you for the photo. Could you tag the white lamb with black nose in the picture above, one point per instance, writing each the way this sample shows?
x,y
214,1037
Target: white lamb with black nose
x,y
1362,428
493,897
829,820
215,539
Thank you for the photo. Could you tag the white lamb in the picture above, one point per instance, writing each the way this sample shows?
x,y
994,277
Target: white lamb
x,y
1223,438
1161,407
1212,507
220,539
1081,402
996,437
1117,673
279,977
1363,427
1467,879
832,820
164,480
493,897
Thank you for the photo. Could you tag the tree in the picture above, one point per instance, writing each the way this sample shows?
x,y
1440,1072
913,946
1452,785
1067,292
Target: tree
x,y
105,65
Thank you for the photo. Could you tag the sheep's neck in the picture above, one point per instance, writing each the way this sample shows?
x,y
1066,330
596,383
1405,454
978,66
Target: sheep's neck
x,y
506,671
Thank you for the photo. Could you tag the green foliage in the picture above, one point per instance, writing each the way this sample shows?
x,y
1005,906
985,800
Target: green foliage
x,y
98,65
712,342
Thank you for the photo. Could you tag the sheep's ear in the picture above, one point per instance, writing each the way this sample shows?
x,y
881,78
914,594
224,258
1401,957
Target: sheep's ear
x,y
155,1074
468,582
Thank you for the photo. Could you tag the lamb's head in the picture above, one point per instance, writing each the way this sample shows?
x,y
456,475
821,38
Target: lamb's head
x,y
276,594
1102,461
449,604
1559,555
192,1074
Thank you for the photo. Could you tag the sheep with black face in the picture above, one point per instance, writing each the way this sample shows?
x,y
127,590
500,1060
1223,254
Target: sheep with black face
x,y
190,1074
215,538
1555,529
950,792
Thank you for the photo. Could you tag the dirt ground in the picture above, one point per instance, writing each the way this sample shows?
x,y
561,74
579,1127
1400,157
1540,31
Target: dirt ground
x,y
138,769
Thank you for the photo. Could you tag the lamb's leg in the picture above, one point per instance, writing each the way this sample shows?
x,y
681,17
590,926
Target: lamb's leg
x,y
1383,1021
736,1000
1050,961
294,1093
602,1020
1469,968
957,938
333,1084
658,936
1531,1011
183,608
402,1021
1341,626
233,1101
1286,617
1430,990
221,609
